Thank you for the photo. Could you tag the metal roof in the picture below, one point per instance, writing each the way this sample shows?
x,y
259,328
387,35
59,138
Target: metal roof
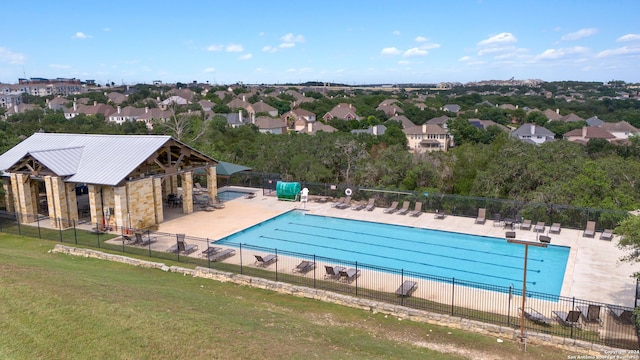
x,y
91,159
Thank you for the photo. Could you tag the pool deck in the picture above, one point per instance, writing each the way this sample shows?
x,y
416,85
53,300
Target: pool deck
x,y
593,271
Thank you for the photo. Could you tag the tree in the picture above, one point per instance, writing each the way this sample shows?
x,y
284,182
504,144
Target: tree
x,y
629,231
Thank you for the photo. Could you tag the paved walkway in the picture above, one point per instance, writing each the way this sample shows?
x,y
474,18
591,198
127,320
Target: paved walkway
x,y
593,269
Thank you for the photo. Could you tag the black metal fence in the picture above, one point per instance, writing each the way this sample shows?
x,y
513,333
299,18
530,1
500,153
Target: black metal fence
x,y
580,319
570,217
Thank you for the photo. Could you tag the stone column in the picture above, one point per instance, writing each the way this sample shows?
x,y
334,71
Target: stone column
x,y
120,207
174,184
187,192
58,202
95,204
8,195
24,199
212,183
72,203
157,198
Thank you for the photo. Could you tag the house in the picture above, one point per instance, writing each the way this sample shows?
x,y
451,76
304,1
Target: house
x,y
440,121
128,113
297,119
154,114
175,99
571,118
427,137
17,109
342,111
533,134
587,133
241,103
390,110
552,115
186,94
621,129
235,119
57,103
406,123
372,130
269,125
10,99
594,121
484,124
127,177
262,107
314,127
116,97
453,108
206,105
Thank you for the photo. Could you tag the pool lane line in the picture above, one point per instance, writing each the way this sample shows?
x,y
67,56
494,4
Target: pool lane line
x,y
416,242
410,261
402,249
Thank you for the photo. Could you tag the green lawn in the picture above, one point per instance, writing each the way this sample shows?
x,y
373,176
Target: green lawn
x,y
57,306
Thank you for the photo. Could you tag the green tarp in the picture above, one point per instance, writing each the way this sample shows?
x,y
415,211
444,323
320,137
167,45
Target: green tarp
x,y
287,190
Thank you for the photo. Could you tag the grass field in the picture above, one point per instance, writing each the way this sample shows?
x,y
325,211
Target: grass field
x,y
62,307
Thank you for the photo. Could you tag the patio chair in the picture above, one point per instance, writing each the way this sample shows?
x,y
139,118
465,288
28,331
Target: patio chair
x,y
222,255
185,248
533,315
265,261
544,239
607,234
526,225
304,267
338,202
176,247
391,209
345,204
371,204
555,228
358,206
439,215
198,188
482,216
405,208
206,253
332,272
590,230
144,241
349,275
407,288
590,313
621,314
567,318
417,210
250,195
539,227
497,220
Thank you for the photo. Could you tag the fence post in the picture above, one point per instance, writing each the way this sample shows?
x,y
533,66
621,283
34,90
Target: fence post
x,y
149,241
208,257
314,271
38,223
240,258
98,234
18,220
59,230
75,234
573,306
401,283
509,306
276,252
357,278
453,291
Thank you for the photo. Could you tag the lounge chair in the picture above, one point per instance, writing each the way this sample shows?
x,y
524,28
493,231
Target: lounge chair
x,y
555,228
304,267
607,234
175,248
590,313
345,204
482,216
185,248
590,230
222,255
332,272
198,188
621,314
144,241
349,275
497,220
250,195
358,206
440,215
371,205
338,202
567,318
391,209
206,253
265,261
405,208
533,315
407,288
539,227
417,210
526,225
544,239
128,239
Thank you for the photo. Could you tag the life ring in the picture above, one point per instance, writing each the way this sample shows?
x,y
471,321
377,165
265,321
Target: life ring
x,y
348,192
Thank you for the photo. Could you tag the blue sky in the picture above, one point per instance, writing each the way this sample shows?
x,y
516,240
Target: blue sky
x,y
352,42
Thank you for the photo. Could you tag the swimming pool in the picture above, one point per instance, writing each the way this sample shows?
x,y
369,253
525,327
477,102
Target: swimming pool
x,y
480,259
227,195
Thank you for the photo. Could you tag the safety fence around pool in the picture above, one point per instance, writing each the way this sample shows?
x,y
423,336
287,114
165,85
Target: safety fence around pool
x,y
580,319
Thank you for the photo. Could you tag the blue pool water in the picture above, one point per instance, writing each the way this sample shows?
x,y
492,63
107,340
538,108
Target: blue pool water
x,y
479,259
227,195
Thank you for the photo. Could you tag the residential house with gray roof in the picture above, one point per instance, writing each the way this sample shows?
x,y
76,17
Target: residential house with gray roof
x,y
262,107
534,134
371,130
621,129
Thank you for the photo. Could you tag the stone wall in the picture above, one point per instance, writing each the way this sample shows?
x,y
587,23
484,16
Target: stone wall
x,y
398,311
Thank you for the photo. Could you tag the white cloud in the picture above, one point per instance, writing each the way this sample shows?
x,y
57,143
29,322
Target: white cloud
x,y
261,33
59,66
465,58
421,39
625,50
291,38
10,57
468,60
106,29
628,37
404,62
551,54
209,70
501,38
215,48
429,46
390,51
80,35
493,50
286,45
245,57
396,32
415,52
234,48
580,34
269,49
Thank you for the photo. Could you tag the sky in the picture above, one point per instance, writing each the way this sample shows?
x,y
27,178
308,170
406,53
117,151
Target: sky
x,y
350,42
